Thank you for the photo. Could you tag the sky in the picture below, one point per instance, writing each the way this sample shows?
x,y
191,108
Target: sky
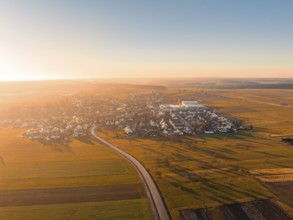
x,y
76,39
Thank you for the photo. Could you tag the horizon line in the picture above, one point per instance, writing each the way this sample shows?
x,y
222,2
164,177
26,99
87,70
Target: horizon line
x,y
137,78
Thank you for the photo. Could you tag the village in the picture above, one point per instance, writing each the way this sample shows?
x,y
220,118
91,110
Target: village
x,y
140,115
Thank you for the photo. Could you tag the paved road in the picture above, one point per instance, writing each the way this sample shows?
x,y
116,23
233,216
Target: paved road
x,y
158,206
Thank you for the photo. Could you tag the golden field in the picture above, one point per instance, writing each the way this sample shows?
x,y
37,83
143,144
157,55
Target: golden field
x,y
191,171
30,165
209,170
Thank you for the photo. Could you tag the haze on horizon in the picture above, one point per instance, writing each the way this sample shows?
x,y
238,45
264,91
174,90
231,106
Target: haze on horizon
x,y
62,39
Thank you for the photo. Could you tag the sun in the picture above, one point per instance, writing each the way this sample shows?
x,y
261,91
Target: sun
x,y
7,71
10,72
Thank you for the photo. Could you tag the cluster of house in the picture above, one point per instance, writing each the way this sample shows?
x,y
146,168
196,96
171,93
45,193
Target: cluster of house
x,y
57,122
3,123
138,115
192,118
76,127
156,119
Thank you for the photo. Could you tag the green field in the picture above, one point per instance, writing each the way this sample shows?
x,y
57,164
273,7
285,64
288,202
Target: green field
x,y
29,165
119,210
208,170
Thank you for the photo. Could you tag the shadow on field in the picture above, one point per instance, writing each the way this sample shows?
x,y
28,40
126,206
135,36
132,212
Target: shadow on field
x,y
215,190
181,187
2,161
56,145
62,148
85,140
218,153
241,135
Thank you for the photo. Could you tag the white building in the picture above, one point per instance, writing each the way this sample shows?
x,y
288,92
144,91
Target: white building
x,y
191,104
184,105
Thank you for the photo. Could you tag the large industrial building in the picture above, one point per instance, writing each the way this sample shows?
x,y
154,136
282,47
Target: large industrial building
x,y
191,104
183,105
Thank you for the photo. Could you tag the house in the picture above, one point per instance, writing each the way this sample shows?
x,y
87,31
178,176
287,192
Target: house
x,y
128,130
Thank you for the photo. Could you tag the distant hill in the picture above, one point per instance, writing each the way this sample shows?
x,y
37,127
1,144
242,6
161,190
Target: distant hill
x,y
63,85
145,84
213,83
229,83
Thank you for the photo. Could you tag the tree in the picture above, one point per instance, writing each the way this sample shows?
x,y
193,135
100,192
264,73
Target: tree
x,y
159,174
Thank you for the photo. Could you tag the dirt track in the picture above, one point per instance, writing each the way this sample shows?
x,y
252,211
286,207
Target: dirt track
x,y
45,196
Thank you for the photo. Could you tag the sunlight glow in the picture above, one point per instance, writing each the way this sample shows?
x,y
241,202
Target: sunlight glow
x,y
8,72
98,39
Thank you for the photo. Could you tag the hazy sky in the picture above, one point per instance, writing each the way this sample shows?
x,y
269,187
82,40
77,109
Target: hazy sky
x,y
145,38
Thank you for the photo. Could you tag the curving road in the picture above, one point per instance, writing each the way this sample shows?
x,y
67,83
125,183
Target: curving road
x,y
158,206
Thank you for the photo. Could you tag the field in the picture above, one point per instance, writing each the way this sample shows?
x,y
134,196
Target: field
x,y
279,181
23,197
203,171
192,172
122,209
274,175
254,210
282,189
83,180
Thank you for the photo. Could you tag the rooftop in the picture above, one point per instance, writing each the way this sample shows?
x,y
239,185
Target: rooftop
x,y
190,103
